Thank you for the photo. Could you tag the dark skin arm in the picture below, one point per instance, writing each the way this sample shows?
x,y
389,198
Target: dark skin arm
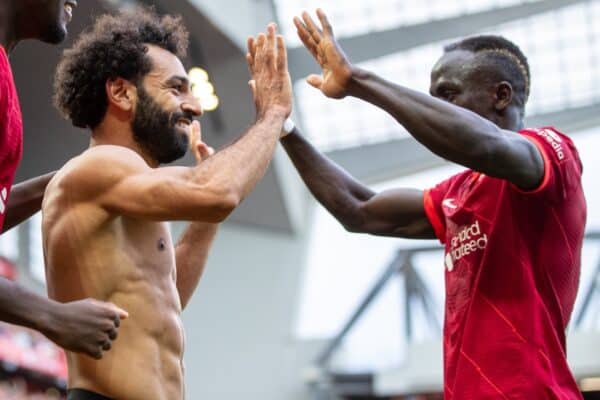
x,y
398,212
86,326
452,132
25,200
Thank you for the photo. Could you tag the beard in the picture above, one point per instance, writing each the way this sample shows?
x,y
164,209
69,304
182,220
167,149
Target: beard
x,y
156,131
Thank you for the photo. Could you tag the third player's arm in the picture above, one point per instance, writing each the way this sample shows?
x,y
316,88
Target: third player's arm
x,y
398,212
25,200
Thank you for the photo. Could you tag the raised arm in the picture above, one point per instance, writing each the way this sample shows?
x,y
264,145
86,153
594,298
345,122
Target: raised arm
x,y
449,131
212,189
398,213
25,200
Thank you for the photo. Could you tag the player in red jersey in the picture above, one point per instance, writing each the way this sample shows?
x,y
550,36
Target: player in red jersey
x,y
512,224
86,326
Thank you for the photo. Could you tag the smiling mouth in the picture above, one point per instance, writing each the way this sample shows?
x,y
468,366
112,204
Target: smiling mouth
x,y
184,123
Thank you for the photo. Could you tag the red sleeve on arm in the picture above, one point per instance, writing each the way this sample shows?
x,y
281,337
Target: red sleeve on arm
x,y
432,212
562,166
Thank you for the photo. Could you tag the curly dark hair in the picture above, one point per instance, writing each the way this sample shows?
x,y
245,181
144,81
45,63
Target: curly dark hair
x,y
115,47
505,57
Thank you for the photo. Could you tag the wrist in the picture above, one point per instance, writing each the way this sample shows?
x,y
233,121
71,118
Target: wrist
x,y
357,78
45,319
273,112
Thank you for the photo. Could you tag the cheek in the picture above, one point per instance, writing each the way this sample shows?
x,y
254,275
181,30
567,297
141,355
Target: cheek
x,y
478,104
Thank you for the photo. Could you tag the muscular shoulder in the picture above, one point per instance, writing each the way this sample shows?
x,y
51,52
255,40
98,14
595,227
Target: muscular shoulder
x,y
97,169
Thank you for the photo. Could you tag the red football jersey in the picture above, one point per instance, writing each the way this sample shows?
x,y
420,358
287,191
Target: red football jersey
x,y
11,132
512,271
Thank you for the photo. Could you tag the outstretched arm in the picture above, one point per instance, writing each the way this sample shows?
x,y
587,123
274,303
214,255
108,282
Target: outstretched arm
x,y
449,131
398,213
25,200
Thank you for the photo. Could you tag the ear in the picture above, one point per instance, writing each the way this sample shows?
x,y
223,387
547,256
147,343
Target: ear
x,y
121,93
503,96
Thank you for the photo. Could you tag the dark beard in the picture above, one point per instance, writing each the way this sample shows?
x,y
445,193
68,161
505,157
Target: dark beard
x,y
155,130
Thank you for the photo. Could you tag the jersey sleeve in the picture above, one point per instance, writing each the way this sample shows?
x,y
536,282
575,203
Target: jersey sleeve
x,y
432,203
562,166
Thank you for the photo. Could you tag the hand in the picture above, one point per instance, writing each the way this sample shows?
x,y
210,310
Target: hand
x,y
200,149
86,326
271,84
337,70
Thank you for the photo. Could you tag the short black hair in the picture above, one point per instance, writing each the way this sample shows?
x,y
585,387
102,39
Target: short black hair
x,y
507,58
115,47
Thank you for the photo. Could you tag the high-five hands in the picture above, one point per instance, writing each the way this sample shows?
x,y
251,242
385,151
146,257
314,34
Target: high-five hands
x,y
337,70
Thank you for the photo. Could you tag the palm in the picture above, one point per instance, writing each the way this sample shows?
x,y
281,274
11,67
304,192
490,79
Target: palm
x,y
336,69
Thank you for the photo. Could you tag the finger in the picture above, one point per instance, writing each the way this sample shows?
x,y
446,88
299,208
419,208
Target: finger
x,y
259,54
119,312
202,150
113,333
308,42
106,345
96,353
312,28
271,44
282,64
250,53
315,80
194,133
327,29
250,61
250,43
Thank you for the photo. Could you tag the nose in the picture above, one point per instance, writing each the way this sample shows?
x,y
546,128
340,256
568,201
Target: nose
x,y
192,106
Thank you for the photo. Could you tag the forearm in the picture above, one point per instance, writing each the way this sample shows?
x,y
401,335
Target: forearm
x,y
452,132
191,253
237,168
22,307
25,200
333,187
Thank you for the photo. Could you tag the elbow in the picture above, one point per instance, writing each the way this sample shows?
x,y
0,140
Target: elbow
x,y
353,228
354,224
225,206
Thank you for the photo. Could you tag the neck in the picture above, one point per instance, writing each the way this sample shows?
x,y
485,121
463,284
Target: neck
x,y
118,133
8,25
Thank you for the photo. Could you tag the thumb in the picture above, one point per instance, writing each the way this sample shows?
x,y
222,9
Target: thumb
x,y
315,81
120,312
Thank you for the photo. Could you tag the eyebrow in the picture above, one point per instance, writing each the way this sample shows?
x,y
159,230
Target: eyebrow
x,y
176,79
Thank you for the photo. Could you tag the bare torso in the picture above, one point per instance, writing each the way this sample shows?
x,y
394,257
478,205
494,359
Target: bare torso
x,y
131,263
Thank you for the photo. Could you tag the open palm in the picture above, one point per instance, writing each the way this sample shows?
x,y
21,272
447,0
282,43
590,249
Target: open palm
x,y
321,43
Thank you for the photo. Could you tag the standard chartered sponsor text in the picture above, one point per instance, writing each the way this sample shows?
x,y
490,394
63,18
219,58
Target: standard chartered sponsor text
x,y
467,241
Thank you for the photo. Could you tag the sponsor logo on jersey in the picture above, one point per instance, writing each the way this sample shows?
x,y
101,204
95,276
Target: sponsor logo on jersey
x,y
450,203
554,140
467,241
